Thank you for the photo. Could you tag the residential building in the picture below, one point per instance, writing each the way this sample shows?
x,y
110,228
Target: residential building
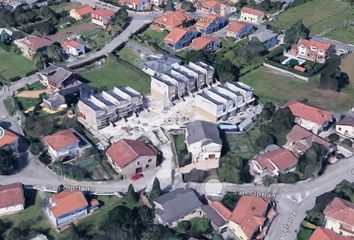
x,y
57,77
345,127
209,23
163,90
181,204
312,50
326,234
102,17
215,7
54,101
137,5
204,143
273,162
224,101
218,215
299,140
74,48
310,117
62,145
239,30
265,36
159,63
179,38
8,139
12,199
100,110
130,157
339,217
32,44
207,71
172,19
80,12
67,207
206,43
252,15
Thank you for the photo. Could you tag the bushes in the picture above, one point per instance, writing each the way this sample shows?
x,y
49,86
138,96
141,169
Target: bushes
x,y
348,142
70,171
333,137
44,158
288,178
36,147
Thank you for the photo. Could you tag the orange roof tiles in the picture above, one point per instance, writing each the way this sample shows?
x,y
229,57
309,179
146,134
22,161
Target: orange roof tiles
x,y
84,10
67,202
11,195
210,4
61,139
250,214
313,43
74,44
201,42
175,35
326,234
126,151
340,210
103,12
279,158
221,209
252,11
308,112
236,27
173,19
35,42
7,137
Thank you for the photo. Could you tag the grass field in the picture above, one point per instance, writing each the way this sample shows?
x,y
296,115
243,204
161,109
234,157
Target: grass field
x,y
26,103
343,34
64,6
270,86
317,15
158,36
117,72
13,65
129,55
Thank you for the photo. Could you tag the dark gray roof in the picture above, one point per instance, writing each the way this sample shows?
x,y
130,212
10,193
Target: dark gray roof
x,y
347,120
202,130
263,35
177,204
213,216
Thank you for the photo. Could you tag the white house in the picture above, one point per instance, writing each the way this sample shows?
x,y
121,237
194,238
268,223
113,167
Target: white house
x,y
345,127
204,143
74,48
252,15
12,198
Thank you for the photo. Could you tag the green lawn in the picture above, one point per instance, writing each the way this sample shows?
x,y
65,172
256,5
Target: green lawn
x,y
26,103
10,105
129,55
318,15
158,36
343,34
66,6
37,86
13,65
270,86
117,72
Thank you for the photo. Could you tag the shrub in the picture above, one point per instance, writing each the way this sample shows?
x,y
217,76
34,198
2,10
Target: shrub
x,y
340,156
348,142
44,158
333,137
36,147
183,226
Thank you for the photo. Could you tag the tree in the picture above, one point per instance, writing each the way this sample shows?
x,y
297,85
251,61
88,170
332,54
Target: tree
x,y
288,178
183,226
120,17
7,161
267,111
264,140
348,142
156,189
158,232
332,78
295,32
48,13
37,146
310,163
227,71
170,6
40,59
6,19
333,137
55,53
132,196
45,28
188,6
201,226
193,56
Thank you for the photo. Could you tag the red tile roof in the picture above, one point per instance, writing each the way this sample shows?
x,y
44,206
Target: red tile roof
x,y
308,112
173,19
103,12
221,209
83,10
206,20
250,214
326,234
252,11
175,35
201,42
6,137
11,195
210,4
35,42
313,43
301,138
340,210
236,27
299,68
126,151
67,202
61,139
74,44
279,158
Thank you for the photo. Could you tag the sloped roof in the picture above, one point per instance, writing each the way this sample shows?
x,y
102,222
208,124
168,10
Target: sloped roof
x,y
201,131
67,202
347,121
235,27
173,18
61,139
326,234
74,44
6,137
340,210
310,113
280,158
175,35
126,151
11,195
201,42
325,46
252,11
83,10
35,42
103,12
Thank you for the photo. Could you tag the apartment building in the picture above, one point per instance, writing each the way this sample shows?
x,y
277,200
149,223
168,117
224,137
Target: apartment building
x,y
162,89
207,70
99,110
224,101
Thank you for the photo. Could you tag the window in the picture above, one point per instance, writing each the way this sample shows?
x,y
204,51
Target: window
x,y
138,163
147,166
150,160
